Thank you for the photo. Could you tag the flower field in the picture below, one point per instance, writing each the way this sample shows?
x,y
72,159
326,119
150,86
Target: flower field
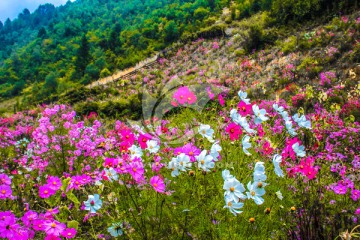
x,y
251,164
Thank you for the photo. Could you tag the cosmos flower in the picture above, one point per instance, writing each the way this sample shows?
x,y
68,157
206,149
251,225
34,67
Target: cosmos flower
x,y
116,229
45,191
157,183
135,151
301,121
244,109
246,144
111,174
243,97
215,151
93,203
53,227
255,193
226,174
54,183
152,146
234,189
69,233
299,149
259,114
277,159
5,191
234,131
4,179
233,206
205,162
207,132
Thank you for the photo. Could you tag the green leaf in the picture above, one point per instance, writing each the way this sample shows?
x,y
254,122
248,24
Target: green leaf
x,y
65,184
73,224
73,198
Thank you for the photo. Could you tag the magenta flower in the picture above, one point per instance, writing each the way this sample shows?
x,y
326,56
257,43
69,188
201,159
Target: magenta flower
x,y
4,179
8,225
158,184
54,183
234,131
142,139
29,217
221,100
267,149
190,150
357,212
136,170
5,191
355,194
244,109
52,237
45,191
53,227
38,225
69,233
340,189
127,136
183,95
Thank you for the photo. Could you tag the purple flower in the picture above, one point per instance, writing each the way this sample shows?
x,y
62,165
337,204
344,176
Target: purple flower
x,y
29,218
355,194
54,183
69,233
4,179
339,189
53,227
45,191
5,191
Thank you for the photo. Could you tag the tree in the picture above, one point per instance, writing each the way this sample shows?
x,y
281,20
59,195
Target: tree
x,y
41,33
1,25
171,31
83,55
50,83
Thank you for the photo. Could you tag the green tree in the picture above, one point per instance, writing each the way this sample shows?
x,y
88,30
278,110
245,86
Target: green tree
x,y
171,31
83,56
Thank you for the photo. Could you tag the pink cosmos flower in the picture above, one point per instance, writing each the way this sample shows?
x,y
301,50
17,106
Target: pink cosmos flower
x,y
244,109
234,131
4,179
38,225
355,194
221,100
29,217
54,183
183,95
158,184
136,170
127,136
52,237
142,139
5,191
190,150
210,94
357,212
267,149
53,227
69,233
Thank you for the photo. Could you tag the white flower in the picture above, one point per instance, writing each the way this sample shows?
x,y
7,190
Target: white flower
x,y
111,174
234,189
226,174
243,97
152,146
255,193
235,116
277,108
279,195
299,150
246,144
207,132
276,161
215,151
259,172
233,206
135,151
205,162
259,114
301,121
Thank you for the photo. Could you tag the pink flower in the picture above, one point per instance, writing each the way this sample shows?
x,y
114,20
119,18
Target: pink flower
x,y
183,95
221,100
5,191
127,136
52,237
4,179
53,227
29,217
355,194
158,184
244,109
357,212
267,149
210,94
142,139
69,233
234,131
345,19
54,183
190,150
136,170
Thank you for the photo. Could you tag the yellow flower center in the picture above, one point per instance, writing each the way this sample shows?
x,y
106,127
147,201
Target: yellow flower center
x,y
260,185
202,161
232,189
155,184
3,191
229,204
53,225
252,193
46,191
